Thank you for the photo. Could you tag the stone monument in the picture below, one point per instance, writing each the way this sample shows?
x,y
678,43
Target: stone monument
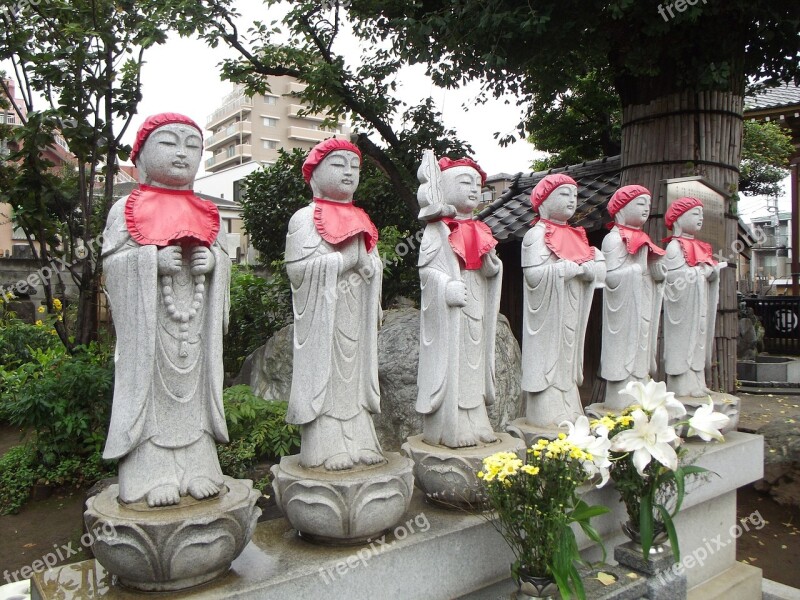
x,y
341,487
176,520
460,277
690,310
632,296
561,271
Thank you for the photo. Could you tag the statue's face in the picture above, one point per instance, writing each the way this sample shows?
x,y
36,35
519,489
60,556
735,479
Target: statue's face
x,y
171,155
336,177
561,203
691,221
461,187
635,212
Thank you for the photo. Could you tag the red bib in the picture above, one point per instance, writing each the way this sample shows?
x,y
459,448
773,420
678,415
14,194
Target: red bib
x,y
694,251
470,240
569,243
337,222
160,217
635,239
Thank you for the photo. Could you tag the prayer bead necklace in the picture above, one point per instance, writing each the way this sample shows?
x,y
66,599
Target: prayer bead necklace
x,y
182,317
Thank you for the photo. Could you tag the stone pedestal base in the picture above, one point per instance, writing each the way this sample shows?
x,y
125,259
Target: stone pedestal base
x,y
174,547
528,433
448,475
343,507
664,580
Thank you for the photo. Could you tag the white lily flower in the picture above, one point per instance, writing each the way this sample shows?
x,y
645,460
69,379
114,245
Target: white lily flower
x,y
649,438
652,395
598,446
706,423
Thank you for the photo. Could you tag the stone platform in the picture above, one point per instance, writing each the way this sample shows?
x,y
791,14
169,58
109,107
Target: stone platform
x,y
435,553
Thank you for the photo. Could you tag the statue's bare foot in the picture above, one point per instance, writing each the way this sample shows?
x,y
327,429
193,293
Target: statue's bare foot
x,y
370,457
466,440
202,487
163,495
701,394
487,437
338,462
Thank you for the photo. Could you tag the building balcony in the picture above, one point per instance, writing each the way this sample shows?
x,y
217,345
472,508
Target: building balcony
x,y
238,154
230,133
294,111
313,135
241,104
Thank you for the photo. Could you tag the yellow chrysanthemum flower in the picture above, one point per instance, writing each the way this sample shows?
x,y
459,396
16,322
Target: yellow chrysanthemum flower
x,y
39,323
41,309
530,469
57,304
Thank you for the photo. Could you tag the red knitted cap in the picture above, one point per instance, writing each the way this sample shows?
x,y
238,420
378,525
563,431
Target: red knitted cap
x,y
448,163
679,207
624,195
153,122
546,186
321,150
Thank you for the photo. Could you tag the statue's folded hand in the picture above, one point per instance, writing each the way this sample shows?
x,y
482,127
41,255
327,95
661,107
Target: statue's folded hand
x,y
455,293
202,261
170,260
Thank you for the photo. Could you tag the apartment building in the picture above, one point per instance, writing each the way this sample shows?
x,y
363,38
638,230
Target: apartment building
x,y
770,265
13,242
247,129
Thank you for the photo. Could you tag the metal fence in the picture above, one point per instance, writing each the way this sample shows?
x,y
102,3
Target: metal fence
x,y
780,316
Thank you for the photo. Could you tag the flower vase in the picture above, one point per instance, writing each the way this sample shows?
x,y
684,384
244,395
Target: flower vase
x,y
660,536
530,587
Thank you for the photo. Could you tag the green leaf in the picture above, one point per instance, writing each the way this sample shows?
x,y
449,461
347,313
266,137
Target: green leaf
x,y
671,532
646,525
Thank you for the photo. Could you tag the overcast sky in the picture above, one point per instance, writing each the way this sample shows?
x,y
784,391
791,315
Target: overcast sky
x,y
183,76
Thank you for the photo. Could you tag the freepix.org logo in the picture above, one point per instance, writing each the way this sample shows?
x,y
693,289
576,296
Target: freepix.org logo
x,y
679,5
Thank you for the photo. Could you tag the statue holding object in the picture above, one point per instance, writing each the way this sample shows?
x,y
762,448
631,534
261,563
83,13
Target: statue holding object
x,y
460,278
167,277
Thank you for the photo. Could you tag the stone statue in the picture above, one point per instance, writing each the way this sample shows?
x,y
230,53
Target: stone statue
x,y
341,487
561,271
460,278
335,273
633,295
460,275
167,278
690,301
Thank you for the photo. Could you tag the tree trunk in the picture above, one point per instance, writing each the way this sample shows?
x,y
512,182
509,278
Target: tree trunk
x,y
682,134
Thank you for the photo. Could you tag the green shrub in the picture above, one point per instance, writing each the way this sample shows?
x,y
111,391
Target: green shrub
x,y
19,471
257,428
17,476
65,399
18,341
262,422
259,308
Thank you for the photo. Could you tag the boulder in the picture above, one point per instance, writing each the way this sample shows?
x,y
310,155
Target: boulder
x,y
781,461
268,371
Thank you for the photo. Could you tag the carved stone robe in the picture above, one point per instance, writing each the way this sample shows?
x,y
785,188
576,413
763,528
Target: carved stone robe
x,y
336,314
555,315
456,356
631,315
690,311
167,409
